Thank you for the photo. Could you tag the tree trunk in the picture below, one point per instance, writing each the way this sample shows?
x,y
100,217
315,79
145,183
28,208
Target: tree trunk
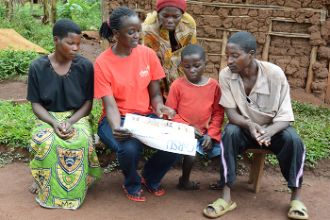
x,y
9,9
45,4
49,11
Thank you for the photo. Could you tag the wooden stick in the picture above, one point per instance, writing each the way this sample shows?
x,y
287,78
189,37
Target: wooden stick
x,y
223,62
265,51
288,20
209,39
229,29
327,94
229,16
312,60
253,6
287,34
215,54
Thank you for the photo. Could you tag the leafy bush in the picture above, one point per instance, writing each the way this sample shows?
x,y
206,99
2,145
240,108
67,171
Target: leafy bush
x,y
15,63
87,14
2,11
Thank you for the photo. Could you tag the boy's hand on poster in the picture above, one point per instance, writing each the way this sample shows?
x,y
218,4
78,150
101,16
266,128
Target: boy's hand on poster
x,y
165,110
207,143
198,134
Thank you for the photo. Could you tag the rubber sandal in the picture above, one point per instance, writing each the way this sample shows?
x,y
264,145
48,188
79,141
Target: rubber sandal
x,y
191,185
297,210
215,186
219,203
137,197
160,191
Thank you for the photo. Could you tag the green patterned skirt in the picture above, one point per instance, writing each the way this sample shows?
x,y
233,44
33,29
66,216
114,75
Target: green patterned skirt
x,y
63,169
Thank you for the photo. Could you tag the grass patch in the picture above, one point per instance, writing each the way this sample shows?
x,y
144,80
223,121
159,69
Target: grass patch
x,y
312,124
15,64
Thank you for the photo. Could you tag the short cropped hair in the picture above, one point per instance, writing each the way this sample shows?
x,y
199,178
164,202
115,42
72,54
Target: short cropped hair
x,y
193,49
63,27
245,40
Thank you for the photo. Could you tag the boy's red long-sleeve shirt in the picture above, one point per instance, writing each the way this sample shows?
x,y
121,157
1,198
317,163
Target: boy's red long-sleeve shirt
x,y
197,105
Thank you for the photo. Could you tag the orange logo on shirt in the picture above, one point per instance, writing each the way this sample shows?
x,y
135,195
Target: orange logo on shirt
x,y
145,71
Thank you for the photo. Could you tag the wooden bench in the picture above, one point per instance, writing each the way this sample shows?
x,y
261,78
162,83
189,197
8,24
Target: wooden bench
x,y
257,166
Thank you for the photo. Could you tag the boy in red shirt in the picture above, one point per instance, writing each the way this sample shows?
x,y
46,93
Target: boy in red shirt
x,y
195,98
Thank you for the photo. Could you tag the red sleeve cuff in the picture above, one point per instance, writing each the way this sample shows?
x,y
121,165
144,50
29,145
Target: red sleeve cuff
x,y
214,133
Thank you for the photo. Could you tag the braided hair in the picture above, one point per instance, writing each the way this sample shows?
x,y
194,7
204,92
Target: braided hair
x,y
115,21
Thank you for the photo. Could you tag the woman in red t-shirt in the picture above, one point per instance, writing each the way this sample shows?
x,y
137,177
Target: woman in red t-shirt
x,y
127,79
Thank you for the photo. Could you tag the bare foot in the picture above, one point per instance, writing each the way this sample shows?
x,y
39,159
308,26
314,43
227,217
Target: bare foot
x,y
33,188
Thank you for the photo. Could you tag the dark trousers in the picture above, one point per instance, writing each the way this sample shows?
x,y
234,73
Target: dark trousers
x,y
286,145
129,153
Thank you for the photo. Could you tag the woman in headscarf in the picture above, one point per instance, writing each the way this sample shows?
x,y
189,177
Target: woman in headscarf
x,y
167,31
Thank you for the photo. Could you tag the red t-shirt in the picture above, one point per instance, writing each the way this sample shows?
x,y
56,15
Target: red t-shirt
x,y
197,105
127,79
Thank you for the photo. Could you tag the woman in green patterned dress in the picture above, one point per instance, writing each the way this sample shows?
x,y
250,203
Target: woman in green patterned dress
x,y
60,89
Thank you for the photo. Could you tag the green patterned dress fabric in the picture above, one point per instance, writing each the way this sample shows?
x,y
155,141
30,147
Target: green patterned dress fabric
x,y
63,169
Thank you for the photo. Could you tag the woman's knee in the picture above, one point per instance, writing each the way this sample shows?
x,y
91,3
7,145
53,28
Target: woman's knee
x,y
129,148
105,133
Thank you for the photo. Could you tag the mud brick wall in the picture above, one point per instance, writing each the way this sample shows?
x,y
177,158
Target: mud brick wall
x,y
294,34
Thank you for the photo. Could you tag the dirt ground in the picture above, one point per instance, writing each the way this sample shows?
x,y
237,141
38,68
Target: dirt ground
x,y
107,201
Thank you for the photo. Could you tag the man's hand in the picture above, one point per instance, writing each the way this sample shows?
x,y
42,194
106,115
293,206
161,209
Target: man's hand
x,y
256,131
265,139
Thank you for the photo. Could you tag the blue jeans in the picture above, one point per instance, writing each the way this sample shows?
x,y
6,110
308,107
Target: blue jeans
x,y
213,152
129,153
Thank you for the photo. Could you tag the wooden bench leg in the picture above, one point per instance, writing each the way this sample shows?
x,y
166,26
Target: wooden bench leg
x,y
252,170
259,163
